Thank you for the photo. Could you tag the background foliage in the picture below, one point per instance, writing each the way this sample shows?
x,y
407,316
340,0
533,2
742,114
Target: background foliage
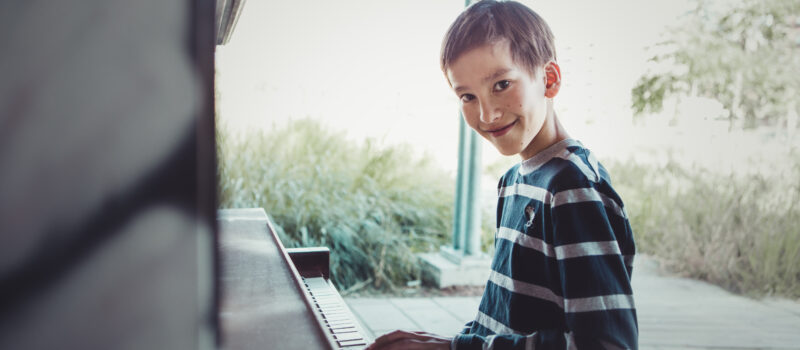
x,y
376,207
747,57
739,232
373,206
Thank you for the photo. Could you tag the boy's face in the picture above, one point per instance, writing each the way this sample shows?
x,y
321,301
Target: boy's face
x,y
500,99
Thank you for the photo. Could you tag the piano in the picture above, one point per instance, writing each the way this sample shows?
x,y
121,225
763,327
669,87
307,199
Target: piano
x,y
278,298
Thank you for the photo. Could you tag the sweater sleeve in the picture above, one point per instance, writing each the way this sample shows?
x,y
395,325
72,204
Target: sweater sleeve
x,y
594,249
546,339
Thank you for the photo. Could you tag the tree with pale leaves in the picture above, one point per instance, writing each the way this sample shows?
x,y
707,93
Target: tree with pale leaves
x,y
746,56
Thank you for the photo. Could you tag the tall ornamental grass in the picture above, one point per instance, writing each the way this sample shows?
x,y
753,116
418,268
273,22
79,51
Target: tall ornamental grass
x,y
376,206
373,206
741,232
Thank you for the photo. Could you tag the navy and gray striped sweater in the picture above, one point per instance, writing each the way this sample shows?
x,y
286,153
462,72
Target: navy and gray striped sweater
x,y
561,274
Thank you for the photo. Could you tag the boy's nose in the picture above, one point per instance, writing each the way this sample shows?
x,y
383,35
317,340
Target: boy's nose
x,y
490,113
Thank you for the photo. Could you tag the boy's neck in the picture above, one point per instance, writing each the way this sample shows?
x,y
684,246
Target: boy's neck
x,y
551,133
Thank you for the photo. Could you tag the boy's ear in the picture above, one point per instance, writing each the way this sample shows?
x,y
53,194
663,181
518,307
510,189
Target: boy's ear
x,y
552,79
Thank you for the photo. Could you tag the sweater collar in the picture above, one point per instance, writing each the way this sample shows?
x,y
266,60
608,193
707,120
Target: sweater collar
x,y
529,165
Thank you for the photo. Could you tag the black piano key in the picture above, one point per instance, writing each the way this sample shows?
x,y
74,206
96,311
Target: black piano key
x,y
328,300
335,313
321,295
317,284
328,304
337,321
332,309
334,323
326,297
344,327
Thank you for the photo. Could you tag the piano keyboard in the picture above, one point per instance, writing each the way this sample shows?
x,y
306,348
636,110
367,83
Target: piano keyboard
x,y
339,323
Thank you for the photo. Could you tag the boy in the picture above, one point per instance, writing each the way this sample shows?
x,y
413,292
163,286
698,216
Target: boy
x,y
561,272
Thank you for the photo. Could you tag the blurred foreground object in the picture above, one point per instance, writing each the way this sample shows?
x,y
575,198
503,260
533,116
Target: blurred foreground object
x,y
228,12
107,175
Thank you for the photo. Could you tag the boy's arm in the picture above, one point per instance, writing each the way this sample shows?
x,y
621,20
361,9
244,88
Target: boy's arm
x,y
595,262
595,282
547,339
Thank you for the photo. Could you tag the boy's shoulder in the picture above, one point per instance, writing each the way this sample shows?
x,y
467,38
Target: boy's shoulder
x,y
562,166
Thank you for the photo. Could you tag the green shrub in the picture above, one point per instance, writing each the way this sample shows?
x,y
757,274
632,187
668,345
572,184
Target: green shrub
x,y
373,206
741,232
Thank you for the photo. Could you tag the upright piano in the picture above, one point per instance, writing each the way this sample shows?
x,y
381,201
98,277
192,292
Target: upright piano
x,y
274,298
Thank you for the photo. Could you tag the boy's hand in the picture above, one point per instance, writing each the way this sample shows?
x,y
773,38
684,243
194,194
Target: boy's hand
x,y
410,340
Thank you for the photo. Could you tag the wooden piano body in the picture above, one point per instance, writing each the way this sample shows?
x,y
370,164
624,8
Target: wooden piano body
x,y
274,298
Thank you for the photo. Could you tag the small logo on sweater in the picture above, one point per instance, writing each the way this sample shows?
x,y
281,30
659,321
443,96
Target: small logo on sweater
x,y
530,214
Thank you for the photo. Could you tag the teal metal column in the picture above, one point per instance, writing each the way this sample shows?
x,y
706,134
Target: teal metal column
x,y
458,217
467,216
472,232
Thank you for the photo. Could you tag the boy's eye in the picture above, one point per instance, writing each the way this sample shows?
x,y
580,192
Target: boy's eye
x,y
467,97
501,85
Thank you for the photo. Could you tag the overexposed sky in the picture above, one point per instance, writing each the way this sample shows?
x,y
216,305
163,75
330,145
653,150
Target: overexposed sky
x,y
370,68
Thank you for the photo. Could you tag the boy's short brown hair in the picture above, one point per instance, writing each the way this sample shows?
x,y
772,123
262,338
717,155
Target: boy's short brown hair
x,y
488,21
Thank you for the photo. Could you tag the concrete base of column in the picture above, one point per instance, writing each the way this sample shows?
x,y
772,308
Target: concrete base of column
x,y
451,268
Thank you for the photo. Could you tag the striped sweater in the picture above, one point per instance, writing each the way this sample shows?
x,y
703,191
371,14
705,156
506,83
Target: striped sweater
x,y
562,268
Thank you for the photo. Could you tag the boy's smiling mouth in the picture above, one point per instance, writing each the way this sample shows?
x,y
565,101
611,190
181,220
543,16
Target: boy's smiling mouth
x,y
503,130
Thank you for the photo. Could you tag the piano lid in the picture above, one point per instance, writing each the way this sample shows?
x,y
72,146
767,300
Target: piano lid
x,y
262,305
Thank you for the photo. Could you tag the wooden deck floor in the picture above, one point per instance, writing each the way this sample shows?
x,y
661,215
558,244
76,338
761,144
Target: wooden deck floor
x,y
674,313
